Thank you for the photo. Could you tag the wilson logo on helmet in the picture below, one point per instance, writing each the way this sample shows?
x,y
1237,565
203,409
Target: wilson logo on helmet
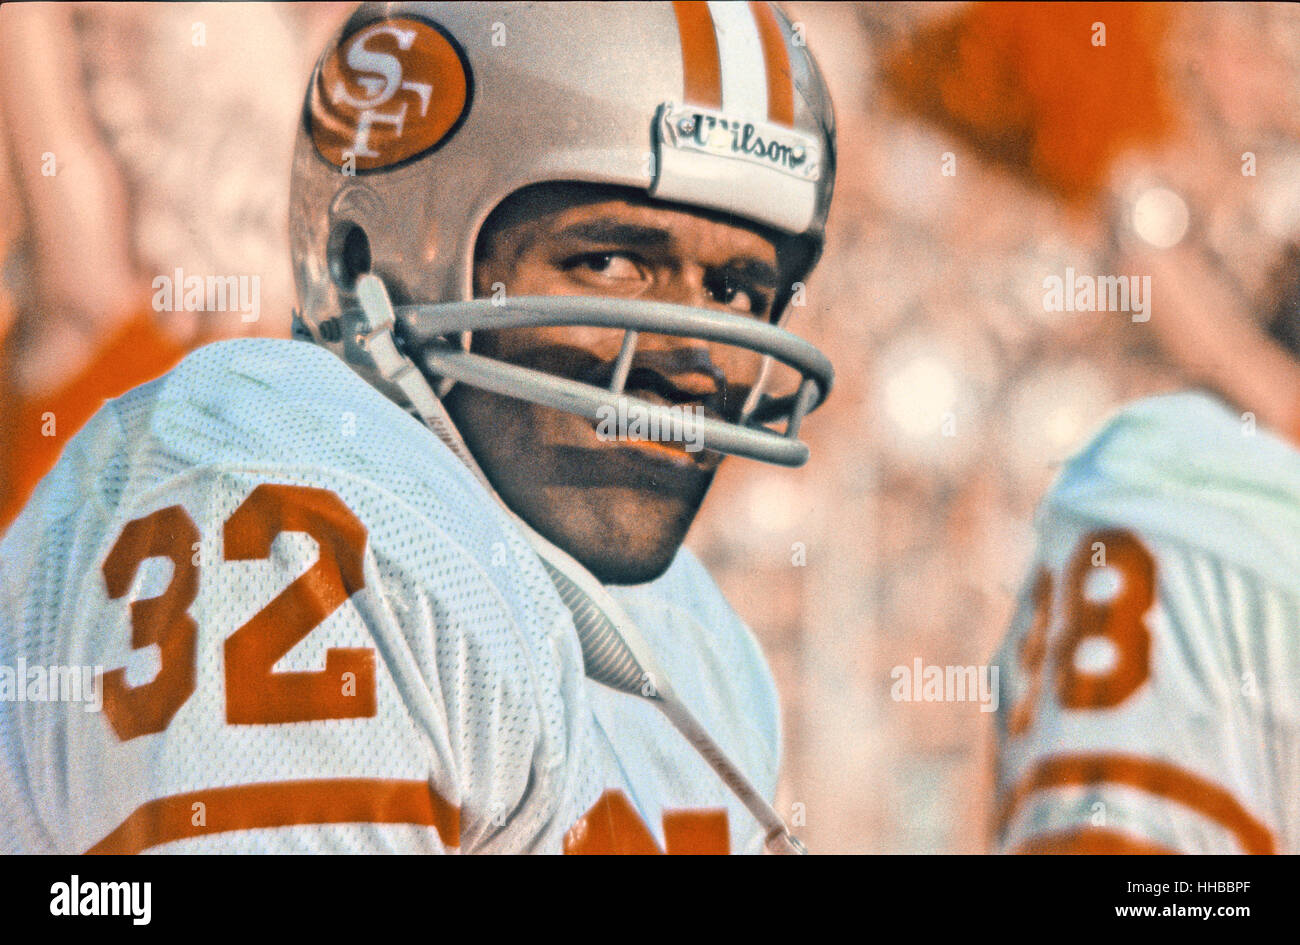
x,y
762,143
387,93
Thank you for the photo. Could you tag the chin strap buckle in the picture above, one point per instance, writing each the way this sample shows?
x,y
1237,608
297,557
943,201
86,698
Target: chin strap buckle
x,y
400,371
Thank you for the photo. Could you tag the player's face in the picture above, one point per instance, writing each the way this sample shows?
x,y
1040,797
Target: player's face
x,y
621,507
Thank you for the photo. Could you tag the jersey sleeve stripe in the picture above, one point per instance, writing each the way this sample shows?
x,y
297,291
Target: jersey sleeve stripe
x,y
1091,841
1157,778
284,804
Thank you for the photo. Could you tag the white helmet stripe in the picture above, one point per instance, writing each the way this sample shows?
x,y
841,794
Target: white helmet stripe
x,y
740,53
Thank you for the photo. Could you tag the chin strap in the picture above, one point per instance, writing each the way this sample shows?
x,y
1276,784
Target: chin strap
x,y
613,651
397,369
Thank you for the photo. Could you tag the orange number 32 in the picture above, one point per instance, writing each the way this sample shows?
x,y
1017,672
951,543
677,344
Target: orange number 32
x,y
255,694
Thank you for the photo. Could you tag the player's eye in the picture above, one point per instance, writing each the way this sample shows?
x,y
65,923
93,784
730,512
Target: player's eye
x,y
737,295
607,266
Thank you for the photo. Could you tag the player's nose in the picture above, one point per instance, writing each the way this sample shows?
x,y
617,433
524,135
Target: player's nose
x,y
685,286
693,365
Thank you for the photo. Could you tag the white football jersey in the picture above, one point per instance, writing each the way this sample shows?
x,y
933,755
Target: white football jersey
x,y
258,608
1150,683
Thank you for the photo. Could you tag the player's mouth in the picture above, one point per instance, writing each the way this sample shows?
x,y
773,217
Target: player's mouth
x,y
671,436
686,449
687,384
673,452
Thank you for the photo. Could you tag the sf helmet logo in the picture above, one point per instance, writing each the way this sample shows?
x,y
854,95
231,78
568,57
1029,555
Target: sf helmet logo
x,y
386,94
380,74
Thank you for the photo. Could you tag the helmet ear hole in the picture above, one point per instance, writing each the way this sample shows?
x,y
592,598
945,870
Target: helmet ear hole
x,y
349,255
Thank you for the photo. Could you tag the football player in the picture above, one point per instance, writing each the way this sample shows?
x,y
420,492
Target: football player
x,y
415,581
1151,677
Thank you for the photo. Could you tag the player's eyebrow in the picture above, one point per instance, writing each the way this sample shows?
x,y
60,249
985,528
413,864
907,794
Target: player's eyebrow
x,y
618,233
753,270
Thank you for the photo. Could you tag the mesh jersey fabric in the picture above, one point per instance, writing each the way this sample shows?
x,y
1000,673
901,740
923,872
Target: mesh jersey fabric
x,y
480,699
1203,754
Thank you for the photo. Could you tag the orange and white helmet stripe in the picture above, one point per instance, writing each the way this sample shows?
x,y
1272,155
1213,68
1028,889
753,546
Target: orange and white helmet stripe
x,y
734,59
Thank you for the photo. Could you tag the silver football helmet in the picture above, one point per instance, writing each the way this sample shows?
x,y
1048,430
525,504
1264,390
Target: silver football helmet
x,y
422,118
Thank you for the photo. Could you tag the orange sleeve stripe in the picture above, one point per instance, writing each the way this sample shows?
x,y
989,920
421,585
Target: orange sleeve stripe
x,y
284,804
701,64
1092,841
1154,777
780,86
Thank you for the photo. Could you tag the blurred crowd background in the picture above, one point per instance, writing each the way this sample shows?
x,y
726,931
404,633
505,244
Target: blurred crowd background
x,y
983,148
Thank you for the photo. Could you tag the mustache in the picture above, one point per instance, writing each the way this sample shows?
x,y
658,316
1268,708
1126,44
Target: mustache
x,y
656,372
